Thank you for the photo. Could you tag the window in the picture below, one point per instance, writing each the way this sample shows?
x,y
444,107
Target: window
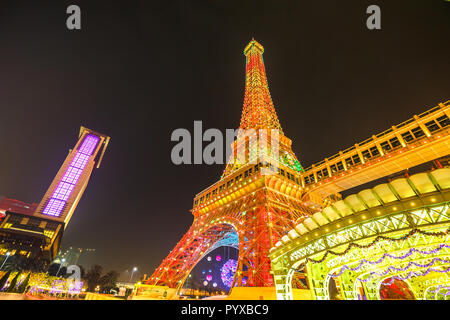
x,y
349,162
333,168
214,192
417,132
207,196
310,179
374,151
52,225
34,223
385,146
432,126
407,136
443,121
221,188
246,174
282,172
196,202
201,199
306,180
356,159
250,171
366,154
395,142
319,175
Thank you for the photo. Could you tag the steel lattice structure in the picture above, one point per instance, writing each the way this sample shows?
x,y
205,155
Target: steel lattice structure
x,y
259,207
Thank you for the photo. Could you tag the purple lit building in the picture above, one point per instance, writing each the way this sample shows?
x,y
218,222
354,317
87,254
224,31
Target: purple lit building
x,y
35,230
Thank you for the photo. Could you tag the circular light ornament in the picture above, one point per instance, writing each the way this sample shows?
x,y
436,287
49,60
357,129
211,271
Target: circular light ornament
x,y
214,284
209,277
209,258
227,272
218,257
205,283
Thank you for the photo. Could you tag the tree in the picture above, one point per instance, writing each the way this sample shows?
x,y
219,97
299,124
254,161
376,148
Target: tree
x,y
108,281
4,279
23,286
93,277
12,286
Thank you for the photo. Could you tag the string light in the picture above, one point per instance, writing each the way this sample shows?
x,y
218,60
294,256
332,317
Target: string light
x,y
376,240
385,255
414,274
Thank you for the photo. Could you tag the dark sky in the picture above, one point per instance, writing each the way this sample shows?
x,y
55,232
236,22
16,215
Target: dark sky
x,y
140,69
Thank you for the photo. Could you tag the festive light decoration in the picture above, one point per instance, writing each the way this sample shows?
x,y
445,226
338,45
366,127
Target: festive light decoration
x,y
439,288
409,265
209,277
227,272
385,255
70,178
412,274
378,239
214,284
218,258
209,258
205,283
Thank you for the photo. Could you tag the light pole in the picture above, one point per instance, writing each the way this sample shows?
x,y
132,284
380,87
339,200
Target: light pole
x,y
60,265
132,272
7,256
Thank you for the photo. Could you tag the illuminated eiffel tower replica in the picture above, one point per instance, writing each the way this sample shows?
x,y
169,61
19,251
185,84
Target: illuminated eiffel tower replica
x,y
258,198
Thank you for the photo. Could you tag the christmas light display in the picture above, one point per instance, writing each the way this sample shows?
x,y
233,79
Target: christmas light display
x,y
439,288
378,239
227,272
218,258
385,255
409,265
69,180
411,274
209,277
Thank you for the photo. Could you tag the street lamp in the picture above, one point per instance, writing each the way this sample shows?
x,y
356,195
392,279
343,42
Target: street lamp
x,y
134,270
7,256
60,265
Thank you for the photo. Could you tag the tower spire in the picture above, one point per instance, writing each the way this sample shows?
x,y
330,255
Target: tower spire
x,y
258,111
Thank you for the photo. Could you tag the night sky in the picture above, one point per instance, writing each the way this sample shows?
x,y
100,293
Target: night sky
x,y
140,69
